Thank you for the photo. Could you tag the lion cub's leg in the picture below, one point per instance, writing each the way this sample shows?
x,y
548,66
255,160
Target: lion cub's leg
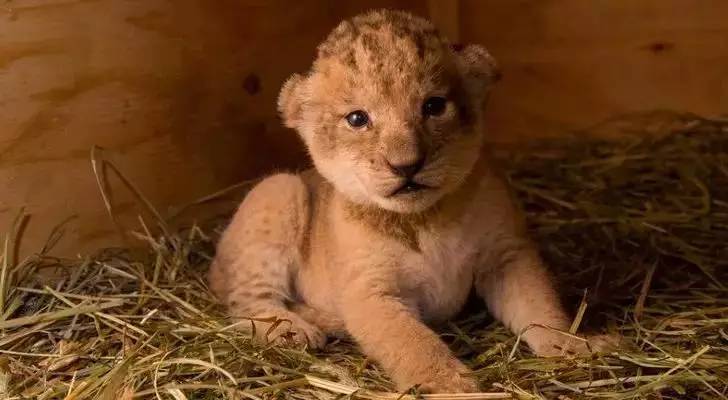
x,y
520,293
257,259
411,353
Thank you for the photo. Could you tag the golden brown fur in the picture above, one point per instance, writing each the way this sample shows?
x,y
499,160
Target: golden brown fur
x,y
340,250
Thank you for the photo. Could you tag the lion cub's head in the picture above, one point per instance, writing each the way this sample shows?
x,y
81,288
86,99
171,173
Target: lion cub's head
x,y
390,111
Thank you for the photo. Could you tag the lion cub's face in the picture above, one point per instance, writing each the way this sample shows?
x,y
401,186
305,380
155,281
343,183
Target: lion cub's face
x,y
390,113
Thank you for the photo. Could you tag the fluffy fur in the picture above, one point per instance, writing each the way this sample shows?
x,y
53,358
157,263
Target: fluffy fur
x,y
336,250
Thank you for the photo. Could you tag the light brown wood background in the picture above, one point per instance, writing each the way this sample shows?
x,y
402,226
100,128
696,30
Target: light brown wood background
x,y
182,93
569,64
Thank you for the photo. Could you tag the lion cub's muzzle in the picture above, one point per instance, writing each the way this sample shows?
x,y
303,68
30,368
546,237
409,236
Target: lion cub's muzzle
x,y
408,171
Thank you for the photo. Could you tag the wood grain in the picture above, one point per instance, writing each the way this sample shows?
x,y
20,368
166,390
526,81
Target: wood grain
x,y
446,16
569,64
182,94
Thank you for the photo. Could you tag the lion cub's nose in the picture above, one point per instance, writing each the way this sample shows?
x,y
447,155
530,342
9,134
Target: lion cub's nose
x,y
408,170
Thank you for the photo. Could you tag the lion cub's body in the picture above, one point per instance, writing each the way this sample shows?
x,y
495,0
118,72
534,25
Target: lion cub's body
x,y
402,218
428,260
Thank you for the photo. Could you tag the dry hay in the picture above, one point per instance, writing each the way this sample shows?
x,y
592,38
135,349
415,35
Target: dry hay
x,y
641,224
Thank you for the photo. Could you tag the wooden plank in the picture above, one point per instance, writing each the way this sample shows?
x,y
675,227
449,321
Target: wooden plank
x,y
445,14
183,93
569,64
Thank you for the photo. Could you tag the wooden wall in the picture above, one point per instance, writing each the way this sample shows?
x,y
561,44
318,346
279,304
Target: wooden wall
x,y
569,64
182,93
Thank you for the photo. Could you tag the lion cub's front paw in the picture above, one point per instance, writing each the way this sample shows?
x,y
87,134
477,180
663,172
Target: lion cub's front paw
x,y
290,329
452,384
557,344
451,377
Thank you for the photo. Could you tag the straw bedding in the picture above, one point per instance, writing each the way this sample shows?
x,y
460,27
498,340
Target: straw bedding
x,y
636,231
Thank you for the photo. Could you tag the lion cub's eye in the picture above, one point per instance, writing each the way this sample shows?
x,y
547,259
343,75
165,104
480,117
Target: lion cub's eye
x,y
434,106
357,119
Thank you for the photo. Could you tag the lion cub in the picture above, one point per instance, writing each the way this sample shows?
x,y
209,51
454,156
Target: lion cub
x,y
402,217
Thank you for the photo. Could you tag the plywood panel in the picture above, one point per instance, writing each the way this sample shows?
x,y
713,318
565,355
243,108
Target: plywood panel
x,y
569,63
181,93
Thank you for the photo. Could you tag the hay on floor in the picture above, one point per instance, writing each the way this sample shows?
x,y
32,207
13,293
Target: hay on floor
x,y
641,225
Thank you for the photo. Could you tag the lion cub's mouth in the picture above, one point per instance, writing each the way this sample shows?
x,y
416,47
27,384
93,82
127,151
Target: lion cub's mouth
x,y
409,187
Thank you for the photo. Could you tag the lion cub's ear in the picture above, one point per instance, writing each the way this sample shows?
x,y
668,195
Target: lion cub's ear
x,y
290,101
478,67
